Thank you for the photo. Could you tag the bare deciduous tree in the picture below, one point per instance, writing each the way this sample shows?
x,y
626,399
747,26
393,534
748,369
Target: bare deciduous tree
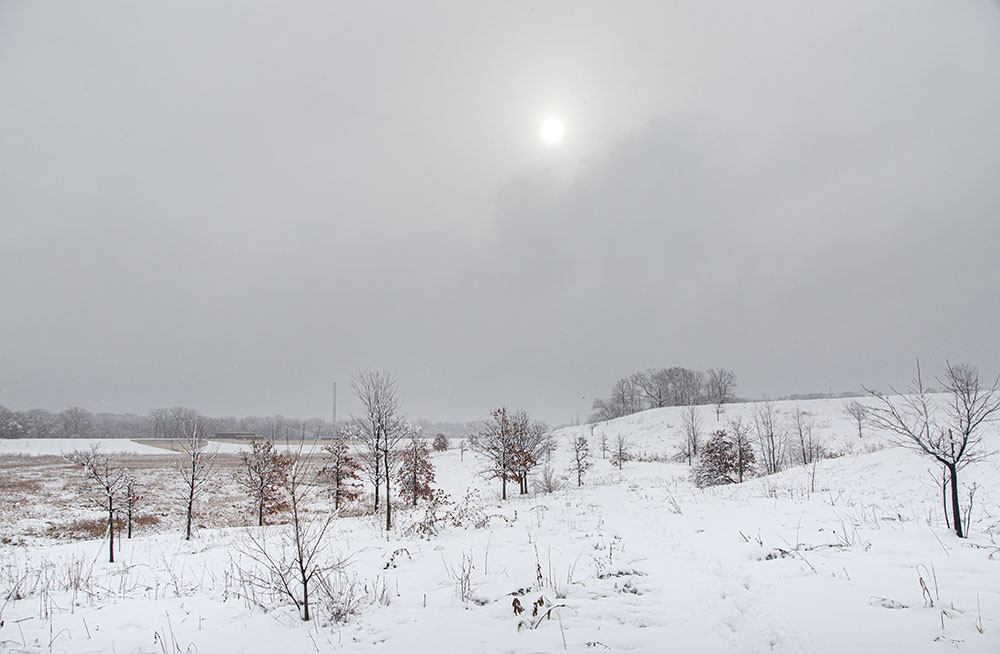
x,y
858,411
955,440
581,458
381,423
262,474
745,460
196,465
496,441
691,428
772,438
809,449
621,452
108,478
131,499
721,384
297,561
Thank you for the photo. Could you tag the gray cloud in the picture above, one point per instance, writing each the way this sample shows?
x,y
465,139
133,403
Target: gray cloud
x,y
228,207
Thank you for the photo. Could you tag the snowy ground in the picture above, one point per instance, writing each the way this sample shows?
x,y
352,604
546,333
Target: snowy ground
x,y
636,560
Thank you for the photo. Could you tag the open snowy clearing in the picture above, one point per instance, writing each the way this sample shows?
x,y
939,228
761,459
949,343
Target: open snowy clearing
x,y
853,555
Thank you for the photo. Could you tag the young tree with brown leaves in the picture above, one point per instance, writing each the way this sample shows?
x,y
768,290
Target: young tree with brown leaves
x,y
108,479
440,443
261,474
954,440
341,472
416,473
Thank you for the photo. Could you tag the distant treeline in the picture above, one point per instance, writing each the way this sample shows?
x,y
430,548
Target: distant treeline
x,y
77,422
662,387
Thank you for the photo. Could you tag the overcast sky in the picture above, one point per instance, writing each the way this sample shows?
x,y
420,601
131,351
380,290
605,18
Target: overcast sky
x,y
229,205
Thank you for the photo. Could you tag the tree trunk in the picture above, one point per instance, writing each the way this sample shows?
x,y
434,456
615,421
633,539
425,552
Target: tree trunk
x,y
130,523
388,498
956,509
111,531
190,511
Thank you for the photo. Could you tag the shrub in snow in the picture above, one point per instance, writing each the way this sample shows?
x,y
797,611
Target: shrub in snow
x,y
261,474
341,472
723,461
415,472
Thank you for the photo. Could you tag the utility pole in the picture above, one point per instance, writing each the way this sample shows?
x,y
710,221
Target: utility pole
x,y
333,413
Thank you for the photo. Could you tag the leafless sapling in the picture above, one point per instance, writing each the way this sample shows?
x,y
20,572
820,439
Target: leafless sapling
x,y
745,460
381,422
772,437
581,458
131,499
858,411
102,469
955,439
293,560
691,427
196,466
621,452
496,441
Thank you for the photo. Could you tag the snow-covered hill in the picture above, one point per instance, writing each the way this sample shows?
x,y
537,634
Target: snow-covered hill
x,y
850,555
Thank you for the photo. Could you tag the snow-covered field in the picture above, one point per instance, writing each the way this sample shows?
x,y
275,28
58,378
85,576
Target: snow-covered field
x,y
60,446
851,556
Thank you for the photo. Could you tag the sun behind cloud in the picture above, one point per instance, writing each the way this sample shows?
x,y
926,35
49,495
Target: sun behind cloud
x,y
553,130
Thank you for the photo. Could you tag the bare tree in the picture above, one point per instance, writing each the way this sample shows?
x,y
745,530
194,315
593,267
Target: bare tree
x,y
621,453
131,498
296,562
955,440
655,385
496,441
772,438
196,465
721,384
691,427
809,449
744,460
858,411
261,475
581,458
529,446
340,471
108,479
381,423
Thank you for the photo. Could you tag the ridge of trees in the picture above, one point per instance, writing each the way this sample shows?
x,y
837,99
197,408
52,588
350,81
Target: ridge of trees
x,y
662,387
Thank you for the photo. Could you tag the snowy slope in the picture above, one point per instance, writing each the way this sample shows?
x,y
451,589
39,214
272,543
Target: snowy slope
x,y
822,561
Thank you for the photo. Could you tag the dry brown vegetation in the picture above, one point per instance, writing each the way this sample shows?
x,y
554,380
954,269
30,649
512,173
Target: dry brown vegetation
x,y
44,497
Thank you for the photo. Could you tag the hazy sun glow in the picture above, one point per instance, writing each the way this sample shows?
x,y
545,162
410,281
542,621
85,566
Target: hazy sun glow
x,y
553,130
